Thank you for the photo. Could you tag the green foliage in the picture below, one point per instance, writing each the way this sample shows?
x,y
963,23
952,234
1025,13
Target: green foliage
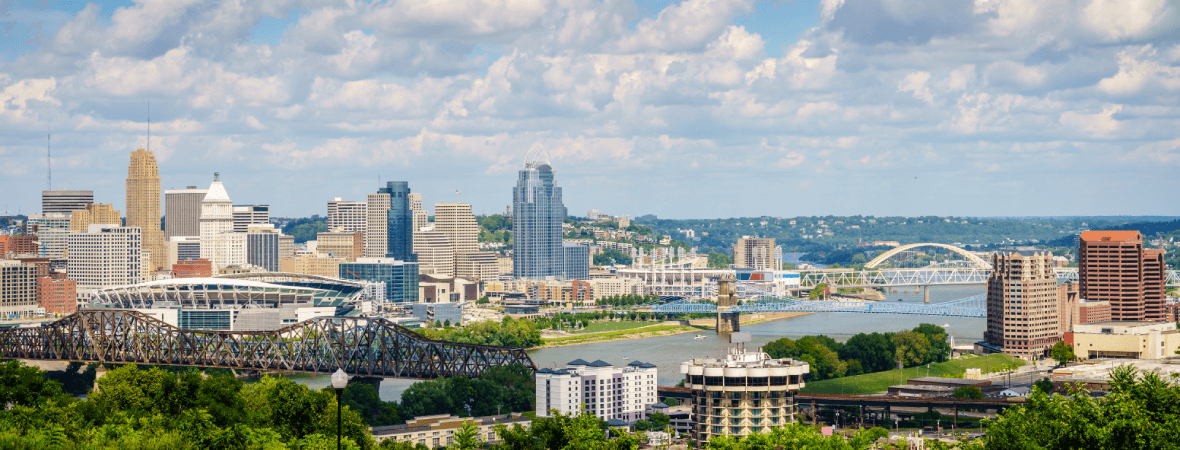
x,y
817,291
562,432
496,222
718,260
1044,385
305,229
483,300
499,391
1139,412
939,348
967,392
364,399
1062,353
797,436
626,300
874,351
466,437
611,256
910,347
24,385
507,333
875,382
671,401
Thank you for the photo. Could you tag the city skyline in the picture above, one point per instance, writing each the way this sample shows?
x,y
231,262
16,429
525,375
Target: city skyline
x,y
691,109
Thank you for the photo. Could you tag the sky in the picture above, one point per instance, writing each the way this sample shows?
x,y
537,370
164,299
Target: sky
x,y
682,109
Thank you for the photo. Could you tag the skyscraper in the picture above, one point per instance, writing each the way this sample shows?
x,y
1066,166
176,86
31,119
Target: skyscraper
x,y
65,201
1113,266
143,205
349,215
246,215
755,253
537,214
262,246
103,256
182,211
377,228
421,219
217,217
399,222
1022,305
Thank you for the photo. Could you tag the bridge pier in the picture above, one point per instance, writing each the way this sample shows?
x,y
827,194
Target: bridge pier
x,y
926,294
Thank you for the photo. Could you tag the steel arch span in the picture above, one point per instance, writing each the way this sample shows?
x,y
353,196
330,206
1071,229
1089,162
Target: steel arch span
x,y
966,254
360,346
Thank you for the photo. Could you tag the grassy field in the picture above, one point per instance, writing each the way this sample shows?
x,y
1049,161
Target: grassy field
x,y
598,327
880,381
658,330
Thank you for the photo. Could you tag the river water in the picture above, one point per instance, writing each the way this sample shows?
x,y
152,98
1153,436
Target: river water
x,y
668,352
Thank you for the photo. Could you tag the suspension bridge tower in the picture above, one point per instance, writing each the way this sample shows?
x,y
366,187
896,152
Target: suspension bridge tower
x,y
727,319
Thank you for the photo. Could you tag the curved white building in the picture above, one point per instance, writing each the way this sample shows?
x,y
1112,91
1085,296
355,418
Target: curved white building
x,y
742,393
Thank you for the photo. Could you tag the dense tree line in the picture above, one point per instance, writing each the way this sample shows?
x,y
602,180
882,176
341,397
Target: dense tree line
x,y
611,256
798,436
626,300
305,229
508,332
499,390
864,352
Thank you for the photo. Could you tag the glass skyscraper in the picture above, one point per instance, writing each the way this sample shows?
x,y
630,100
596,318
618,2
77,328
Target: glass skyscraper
x,y
400,244
537,214
400,277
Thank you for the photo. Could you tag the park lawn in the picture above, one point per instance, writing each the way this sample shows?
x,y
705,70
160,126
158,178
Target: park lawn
x,y
872,383
623,334
598,327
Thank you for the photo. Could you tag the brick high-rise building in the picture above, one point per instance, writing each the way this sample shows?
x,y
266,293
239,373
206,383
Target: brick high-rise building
x,y
1022,305
57,294
196,268
143,205
17,245
1113,266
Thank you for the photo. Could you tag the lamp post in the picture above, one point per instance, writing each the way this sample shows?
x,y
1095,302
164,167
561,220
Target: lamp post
x,y
339,382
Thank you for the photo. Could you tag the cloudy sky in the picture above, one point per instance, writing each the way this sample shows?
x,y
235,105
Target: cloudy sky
x,y
688,109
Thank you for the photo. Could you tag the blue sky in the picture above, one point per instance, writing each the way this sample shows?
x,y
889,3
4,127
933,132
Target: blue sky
x,y
684,109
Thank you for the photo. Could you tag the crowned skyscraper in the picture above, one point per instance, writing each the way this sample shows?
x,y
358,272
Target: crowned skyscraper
x,y
217,218
537,214
143,204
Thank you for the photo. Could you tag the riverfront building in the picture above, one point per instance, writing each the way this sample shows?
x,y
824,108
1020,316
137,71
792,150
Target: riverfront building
x,y
1023,311
104,255
143,206
742,393
18,289
65,201
537,215
1113,266
608,392
182,211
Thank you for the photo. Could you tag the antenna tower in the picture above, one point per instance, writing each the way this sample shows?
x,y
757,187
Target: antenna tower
x,y
48,161
149,114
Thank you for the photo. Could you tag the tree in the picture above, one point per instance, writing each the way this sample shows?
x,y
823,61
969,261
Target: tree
x,y
910,347
466,437
1044,385
718,260
642,425
967,392
1062,353
671,401
24,385
659,421
875,351
939,349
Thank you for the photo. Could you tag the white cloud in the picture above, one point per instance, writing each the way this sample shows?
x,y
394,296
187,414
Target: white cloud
x,y
915,83
1102,124
1138,72
1119,19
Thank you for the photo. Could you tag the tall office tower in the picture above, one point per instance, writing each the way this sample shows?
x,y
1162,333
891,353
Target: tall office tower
x,y
1113,266
577,261
51,230
421,219
349,215
95,213
217,217
377,226
182,211
104,256
400,226
18,288
65,201
262,246
143,204
457,223
755,253
434,253
537,214
342,244
246,215
400,278
183,248
1022,305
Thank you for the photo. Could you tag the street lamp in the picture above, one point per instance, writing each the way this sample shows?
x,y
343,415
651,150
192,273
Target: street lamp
x,y
339,382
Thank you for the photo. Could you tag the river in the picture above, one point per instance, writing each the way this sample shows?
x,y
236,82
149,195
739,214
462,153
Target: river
x,y
668,352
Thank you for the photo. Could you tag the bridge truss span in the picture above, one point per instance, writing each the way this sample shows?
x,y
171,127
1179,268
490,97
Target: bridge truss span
x,y
360,346
974,306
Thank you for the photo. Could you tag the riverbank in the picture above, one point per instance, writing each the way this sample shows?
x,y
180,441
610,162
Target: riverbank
x,y
670,328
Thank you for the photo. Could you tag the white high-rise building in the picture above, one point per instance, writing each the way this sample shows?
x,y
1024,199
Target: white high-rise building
x,y
604,390
377,228
217,217
103,256
349,215
419,215
435,255
52,229
229,249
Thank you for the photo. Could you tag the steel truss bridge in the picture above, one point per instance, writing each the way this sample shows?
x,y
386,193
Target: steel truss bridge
x,y
974,306
360,346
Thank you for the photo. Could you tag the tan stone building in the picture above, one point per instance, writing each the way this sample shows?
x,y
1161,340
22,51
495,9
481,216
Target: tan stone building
x,y
435,255
94,214
143,205
1022,305
348,245
377,229
1124,339
755,253
314,264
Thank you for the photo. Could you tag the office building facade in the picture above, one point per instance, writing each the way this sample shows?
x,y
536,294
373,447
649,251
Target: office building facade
x,y
103,256
57,294
51,230
246,215
377,225
418,212
182,211
577,261
18,289
399,223
537,215
606,391
434,253
400,277
347,215
1022,305
755,253
1113,266
143,205
65,201
262,247
348,245
95,214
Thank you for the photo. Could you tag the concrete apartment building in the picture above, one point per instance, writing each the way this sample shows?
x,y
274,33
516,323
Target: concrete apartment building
x,y
742,393
18,289
246,215
182,211
755,253
348,215
95,213
1113,266
65,201
438,431
1024,314
143,206
104,256
348,245
606,391
377,225
434,252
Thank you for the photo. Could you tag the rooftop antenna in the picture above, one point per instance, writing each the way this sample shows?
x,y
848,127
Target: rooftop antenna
x,y
149,114
48,160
